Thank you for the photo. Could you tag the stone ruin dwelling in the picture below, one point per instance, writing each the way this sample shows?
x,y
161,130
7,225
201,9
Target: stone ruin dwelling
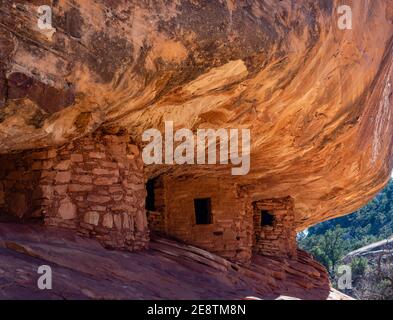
x,y
96,185
76,97
221,218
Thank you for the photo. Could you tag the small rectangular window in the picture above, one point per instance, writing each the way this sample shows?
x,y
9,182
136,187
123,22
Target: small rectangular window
x,y
267,218
203,211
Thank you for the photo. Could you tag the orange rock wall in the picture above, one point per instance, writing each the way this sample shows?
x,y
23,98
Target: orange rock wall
x,y
317,99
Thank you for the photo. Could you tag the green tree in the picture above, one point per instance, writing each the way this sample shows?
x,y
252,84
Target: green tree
x,y
359,266
369,224
327,248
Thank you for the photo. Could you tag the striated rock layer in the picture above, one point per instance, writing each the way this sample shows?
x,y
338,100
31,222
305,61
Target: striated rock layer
x,y
317,99
82,269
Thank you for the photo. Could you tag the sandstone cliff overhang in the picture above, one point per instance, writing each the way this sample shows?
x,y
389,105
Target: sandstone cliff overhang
x,y
317,99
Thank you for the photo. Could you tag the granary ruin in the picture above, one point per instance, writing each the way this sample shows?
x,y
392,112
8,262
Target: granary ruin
x,y
96,185
218,216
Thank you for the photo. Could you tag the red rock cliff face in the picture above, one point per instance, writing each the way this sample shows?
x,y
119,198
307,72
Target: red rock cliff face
x,y
318,100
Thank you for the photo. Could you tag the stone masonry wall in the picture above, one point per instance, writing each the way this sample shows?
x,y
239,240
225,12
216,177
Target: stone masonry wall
x,y
280,238
94,185
229,234
19,186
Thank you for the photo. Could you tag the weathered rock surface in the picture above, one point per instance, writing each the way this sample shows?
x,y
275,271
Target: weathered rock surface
x,y
318,100
82,269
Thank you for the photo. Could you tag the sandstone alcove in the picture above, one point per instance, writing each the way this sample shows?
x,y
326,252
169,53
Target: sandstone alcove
x,y
76,100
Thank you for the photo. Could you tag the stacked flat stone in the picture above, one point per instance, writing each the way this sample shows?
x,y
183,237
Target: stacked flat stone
x,y
95,185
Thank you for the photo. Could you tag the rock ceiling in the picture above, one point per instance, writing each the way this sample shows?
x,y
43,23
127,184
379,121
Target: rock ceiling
x,y
318,100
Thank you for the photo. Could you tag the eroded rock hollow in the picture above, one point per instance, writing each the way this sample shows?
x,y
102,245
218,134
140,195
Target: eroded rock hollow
x,y
76,97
